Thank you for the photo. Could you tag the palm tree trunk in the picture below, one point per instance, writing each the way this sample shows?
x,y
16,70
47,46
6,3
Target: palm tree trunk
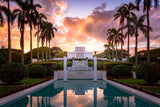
x,y
128,40
121,51
46,52
38,45
42,51
136,57
148,39
9,36
112,54
31,44
116,52
49,52
22,44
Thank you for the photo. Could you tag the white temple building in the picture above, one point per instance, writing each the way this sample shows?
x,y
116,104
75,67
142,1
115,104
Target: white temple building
x,y
80,52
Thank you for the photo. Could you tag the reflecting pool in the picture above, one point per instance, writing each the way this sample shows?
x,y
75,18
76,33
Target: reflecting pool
x,y
80,93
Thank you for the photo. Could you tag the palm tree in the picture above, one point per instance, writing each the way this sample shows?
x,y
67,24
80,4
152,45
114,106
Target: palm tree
x,y
147,4
136,26
21,14
114,36
41,18
50,36
9,34
127,11
108,48
121,14
32,19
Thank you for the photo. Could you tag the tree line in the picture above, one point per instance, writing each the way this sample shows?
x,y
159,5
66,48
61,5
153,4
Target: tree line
x,y
133,25
27,13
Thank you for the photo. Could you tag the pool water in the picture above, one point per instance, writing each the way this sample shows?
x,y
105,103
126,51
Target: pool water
x,y
80,93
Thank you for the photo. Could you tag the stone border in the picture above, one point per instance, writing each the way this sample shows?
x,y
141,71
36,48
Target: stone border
x,y
135,92
22,93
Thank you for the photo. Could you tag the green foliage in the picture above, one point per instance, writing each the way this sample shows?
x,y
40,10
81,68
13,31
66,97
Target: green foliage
x,y
13,72
30,81
16,55
133,81
109,65
2,59
37,71
59,54
100,65
90,63
121,70
59,65
148,73
50,66
69,63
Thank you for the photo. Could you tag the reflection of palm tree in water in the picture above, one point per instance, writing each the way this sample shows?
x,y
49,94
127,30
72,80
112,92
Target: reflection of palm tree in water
x,y
113,101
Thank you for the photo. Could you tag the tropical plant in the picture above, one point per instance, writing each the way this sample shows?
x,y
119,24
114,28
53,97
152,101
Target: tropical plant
x,y
8,15
137,24
114,36
21,14
127,12
41,19
32,20
108,49
147,4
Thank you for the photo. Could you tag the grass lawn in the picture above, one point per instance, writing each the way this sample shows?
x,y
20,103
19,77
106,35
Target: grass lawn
x,y
5,89
157,90
24,81
140,81
133,81
30,81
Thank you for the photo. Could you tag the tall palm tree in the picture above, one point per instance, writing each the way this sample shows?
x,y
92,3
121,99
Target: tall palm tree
x,y
127,10
21,15
147,4
50,36
40,19
114,36
9,34
32,19
137,24
121,14
108,48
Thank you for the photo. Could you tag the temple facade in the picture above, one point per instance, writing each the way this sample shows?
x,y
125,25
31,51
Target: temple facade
x,y
80,52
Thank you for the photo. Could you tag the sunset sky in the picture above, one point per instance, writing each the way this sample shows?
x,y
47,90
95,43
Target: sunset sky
x,y
82,23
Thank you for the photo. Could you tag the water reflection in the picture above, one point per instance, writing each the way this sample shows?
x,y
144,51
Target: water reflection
x,y
80,93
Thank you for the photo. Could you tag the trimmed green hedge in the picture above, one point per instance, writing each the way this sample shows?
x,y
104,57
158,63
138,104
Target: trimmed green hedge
x,y
121,70
50,66
13,72
108,66
37,71
148,72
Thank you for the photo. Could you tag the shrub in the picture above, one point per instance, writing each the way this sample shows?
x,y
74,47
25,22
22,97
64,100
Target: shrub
x,y
13,72
90,63
147,72
59,65
109,65
121,70
100,65
50,66
37,71
69,63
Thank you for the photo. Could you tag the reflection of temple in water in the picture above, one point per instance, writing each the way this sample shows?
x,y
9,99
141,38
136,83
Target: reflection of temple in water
x,y
59,94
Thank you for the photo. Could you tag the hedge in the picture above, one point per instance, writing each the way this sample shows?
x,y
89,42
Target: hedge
x,y
50,66
13,72
121,70
37,71
108,66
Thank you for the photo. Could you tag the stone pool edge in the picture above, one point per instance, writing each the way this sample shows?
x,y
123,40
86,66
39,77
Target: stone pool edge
x,y
19,94
149,97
